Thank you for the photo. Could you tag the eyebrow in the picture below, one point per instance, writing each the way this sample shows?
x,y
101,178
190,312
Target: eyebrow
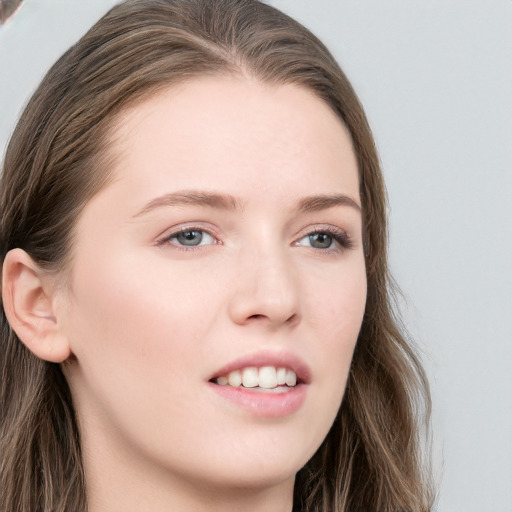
x,y
192,197
324,202
228,202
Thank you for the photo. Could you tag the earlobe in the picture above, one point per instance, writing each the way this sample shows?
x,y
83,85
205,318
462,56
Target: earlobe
x,y
28,303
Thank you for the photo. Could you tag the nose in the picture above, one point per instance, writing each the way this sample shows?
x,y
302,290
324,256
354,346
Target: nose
x,y
266,291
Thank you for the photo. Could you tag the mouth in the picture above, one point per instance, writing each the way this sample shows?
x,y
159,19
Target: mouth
x,y
264,371
275,379
264,384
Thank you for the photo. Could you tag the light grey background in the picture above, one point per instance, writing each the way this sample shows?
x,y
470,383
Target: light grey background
x,y
435,78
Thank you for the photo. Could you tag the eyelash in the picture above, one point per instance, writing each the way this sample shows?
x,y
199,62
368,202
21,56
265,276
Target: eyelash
x,y
166,240
338,236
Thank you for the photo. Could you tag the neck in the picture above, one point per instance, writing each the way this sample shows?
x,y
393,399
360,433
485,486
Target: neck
x,y
117,494
120,481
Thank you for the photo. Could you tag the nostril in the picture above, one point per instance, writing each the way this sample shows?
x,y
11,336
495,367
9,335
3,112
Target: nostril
x,y
293,320
256,317
264,305
259,317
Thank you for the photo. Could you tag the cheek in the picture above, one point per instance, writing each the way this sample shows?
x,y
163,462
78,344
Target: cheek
x,y
134,318
336,314
336,301
136,332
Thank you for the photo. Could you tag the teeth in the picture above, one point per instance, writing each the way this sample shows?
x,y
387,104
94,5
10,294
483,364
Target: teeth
x,y
250,377
281,376
291,378
235,379
222,381
266,377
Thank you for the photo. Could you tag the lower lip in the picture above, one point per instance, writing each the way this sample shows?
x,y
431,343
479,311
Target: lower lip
x,y
260,403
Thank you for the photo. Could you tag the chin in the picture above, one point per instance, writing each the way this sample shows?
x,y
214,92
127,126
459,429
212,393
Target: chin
x,y
260,470
255,479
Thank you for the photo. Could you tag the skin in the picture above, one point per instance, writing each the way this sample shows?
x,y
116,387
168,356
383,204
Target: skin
x,y
148,322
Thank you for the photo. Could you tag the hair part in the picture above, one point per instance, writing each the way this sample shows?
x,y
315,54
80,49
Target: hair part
x,y
60,155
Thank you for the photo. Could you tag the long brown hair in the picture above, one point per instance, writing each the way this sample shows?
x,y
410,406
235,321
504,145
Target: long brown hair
x,y
58,158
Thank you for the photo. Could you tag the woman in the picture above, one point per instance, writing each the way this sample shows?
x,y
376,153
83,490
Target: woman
x,y
196,310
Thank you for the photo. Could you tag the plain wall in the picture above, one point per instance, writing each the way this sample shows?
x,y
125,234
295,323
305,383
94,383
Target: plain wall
x,y
435,78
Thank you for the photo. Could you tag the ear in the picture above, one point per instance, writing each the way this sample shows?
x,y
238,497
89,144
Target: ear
x,y
28,300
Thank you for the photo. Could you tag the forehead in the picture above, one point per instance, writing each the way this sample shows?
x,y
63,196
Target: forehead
x,y
238,131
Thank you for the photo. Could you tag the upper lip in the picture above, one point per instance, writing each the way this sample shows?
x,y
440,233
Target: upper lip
x,y
267,358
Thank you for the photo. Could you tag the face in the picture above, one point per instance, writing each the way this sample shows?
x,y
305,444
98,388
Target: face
x,y
227,249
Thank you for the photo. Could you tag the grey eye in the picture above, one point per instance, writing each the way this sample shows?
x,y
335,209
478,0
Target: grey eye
x,y
192,238
320,240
